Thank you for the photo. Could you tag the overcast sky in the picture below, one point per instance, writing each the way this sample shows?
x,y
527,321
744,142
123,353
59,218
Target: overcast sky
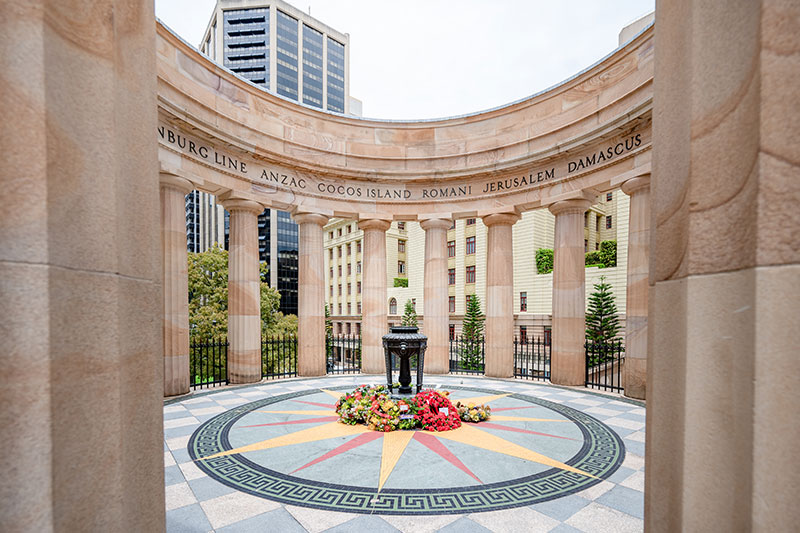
x,y
435,58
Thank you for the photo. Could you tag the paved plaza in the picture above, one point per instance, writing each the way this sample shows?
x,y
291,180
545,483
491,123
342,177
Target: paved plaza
x,y
272,457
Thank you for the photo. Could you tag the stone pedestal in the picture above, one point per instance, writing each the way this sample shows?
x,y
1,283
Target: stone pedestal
x,y
634,372
723,365
500,296
175,279
311,296
81,385
244,292
373,295
568,357
435,295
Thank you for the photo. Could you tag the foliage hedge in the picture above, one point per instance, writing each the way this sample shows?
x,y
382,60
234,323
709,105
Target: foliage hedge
x,y
401,282
605,257
544,260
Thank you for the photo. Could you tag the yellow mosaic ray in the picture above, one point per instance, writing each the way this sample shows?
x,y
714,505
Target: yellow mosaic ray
x,y
333,393
472,436
320,412
478,400
525,419
394,444
325,431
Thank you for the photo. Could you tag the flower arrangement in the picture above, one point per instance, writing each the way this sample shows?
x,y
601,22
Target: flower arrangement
x,y
473,413
435,412
429,410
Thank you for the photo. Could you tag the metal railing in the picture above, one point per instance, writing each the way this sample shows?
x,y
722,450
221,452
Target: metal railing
x,y
467,356
604,364
343,354
531,359
278,357
208,363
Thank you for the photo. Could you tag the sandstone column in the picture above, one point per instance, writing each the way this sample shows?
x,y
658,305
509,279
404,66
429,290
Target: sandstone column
x,y
568,358
81,385
500,295
724,301
311,296
244,292
634,372
373,295
437,357
175,279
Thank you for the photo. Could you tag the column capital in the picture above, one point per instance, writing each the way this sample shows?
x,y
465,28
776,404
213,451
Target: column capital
x,y
502,219
436,223
173,181
240,204
637,184
310,218
374,223
577,205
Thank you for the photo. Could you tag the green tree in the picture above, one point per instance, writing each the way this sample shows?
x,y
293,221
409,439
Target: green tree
x,y
608,253
409,314
328,336
602,322
472,336
544,260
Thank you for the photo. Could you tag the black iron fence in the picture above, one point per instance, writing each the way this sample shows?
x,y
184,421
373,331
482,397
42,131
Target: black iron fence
x,y
604,362
278,357
532,358
467,356
208,363
343,354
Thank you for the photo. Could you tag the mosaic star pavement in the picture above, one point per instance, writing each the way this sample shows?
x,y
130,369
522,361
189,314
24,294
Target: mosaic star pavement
x,y
286,452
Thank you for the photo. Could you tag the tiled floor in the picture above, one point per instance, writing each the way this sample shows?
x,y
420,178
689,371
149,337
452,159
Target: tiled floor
x,y
197,503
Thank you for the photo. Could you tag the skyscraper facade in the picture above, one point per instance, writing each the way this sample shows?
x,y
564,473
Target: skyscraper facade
x,y
288,52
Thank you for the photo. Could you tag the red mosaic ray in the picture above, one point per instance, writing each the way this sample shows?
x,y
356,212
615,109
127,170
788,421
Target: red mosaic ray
x,y
490,425
304,421
347,446
317,404
498,409
436,446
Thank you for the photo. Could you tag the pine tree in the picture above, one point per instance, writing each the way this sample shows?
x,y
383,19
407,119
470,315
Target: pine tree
x,y
602,322
409,314
472,336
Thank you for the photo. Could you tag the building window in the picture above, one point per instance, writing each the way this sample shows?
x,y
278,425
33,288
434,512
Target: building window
x,y
401,225
348,249
331,271
340,270
349,289
401,246
451,301
349,312
358,267
358,287
358,247
451,248
523,301
331,290
467,299
340,313
608,222
470,245
339,232
548,335
349,228
331,254
348,324
340,289
470,221
523,334
451,276
358,326
330,235
452,332
401,267
393,306
609,196
349,268
470,274
339,327
358,306
340,250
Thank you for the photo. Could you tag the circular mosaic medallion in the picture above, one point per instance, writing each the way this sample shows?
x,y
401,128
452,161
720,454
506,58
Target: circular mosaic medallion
x,y
291,449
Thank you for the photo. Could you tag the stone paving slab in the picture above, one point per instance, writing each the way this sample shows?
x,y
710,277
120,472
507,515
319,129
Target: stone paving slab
x,y
197,502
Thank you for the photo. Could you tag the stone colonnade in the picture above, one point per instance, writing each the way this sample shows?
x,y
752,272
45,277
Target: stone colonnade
x,y
244,326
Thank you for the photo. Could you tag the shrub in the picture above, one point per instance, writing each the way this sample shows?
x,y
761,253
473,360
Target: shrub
x,y
594,258
544,260
608,253
401,282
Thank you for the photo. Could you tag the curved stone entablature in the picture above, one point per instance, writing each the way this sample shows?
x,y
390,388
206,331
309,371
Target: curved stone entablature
x,y
234,139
